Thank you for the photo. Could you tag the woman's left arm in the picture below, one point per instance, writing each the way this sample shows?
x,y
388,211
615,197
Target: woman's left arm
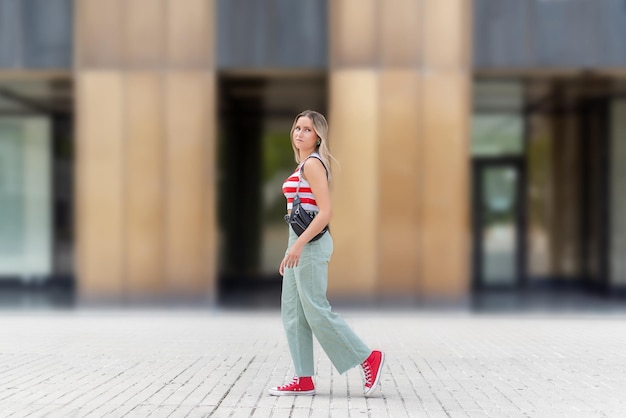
x,y
315,174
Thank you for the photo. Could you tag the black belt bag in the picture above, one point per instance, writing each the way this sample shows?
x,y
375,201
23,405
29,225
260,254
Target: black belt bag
x,y
300,219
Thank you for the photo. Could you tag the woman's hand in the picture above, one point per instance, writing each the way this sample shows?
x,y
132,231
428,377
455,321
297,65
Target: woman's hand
x,y
292,257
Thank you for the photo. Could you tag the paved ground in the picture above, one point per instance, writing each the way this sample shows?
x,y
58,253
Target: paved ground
x,y
219,364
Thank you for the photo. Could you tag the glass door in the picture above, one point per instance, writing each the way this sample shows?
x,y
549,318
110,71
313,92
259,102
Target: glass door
x,y
498,223
25,198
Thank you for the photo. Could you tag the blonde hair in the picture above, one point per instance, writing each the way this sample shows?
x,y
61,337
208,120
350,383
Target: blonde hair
x,y
321,129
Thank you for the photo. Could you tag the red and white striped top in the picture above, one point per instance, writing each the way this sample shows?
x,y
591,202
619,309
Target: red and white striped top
x,y
306,195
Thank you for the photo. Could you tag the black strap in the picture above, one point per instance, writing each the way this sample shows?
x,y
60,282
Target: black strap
x,y
302,168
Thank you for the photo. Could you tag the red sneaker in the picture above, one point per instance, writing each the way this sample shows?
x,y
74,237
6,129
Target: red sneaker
x,y
298,386
371,371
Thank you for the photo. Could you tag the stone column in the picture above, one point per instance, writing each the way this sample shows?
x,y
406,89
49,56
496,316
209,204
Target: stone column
x,y
399,115
145,138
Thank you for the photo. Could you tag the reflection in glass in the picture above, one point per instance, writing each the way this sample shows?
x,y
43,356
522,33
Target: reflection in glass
x,y
278,164
499,232
498,119
11,190
498,95
497,134
25,222
540,195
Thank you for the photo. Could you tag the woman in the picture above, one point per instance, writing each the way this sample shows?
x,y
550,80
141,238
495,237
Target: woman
x,y
304,308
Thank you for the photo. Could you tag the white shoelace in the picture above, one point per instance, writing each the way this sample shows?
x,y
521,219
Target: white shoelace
x,y
295,381
367,373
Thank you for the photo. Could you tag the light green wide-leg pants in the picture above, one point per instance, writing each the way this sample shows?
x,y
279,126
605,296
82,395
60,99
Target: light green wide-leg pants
x,y
306,312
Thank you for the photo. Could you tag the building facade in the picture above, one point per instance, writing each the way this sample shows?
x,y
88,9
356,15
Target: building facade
x,y
480,143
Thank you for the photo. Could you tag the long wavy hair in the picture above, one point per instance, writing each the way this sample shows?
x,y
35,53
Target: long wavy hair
x,y
321,129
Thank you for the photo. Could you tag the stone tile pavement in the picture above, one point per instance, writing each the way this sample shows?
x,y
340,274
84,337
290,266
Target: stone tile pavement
x,y
219,363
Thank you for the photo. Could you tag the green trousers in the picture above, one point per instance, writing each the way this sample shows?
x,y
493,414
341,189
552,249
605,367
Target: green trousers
x,y
306,312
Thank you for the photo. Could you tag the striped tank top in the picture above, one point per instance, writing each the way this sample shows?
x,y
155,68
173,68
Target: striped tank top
x,y
306,195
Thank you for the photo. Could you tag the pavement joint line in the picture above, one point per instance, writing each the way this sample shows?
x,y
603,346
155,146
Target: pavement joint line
x,y
231,387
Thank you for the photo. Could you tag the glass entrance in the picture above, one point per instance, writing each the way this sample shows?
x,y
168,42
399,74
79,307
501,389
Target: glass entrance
x,y
25,224
255,157
37,190
498,223
545,155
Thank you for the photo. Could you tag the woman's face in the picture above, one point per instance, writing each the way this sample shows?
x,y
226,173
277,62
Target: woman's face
x,y
304,136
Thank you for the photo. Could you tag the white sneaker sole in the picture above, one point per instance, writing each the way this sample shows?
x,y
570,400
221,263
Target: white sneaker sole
x,y
275,392
380,369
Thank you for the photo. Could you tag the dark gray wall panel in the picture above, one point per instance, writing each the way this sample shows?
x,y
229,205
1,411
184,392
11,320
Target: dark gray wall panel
x,y
10,34
569,33
36,34
272,34
242,29
501,28
512,34
614,18
48,33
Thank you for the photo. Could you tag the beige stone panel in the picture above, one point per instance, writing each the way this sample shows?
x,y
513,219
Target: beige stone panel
x,y
400,190
190,33
144,192
447,37
144,33
210,187
188,182
99,33
99,185
353,33
445,182
401,33
353,124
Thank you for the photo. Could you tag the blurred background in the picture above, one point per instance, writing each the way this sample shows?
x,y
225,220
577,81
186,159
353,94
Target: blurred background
x,y
143,145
